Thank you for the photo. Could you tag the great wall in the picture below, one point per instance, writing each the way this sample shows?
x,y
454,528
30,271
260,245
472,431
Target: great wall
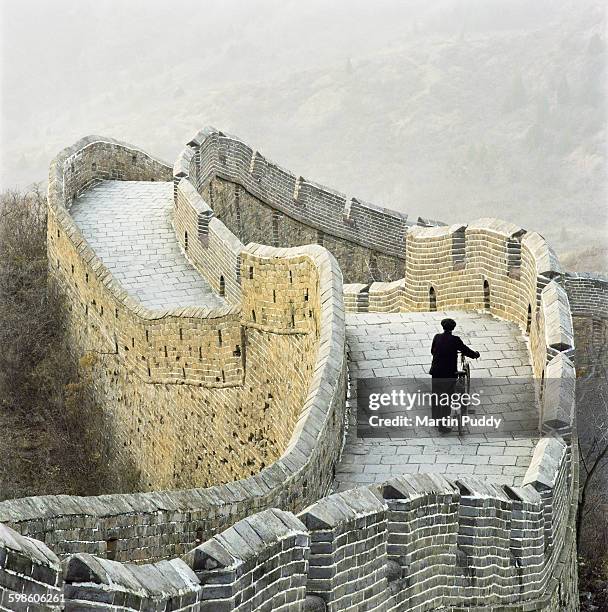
x,y
222,306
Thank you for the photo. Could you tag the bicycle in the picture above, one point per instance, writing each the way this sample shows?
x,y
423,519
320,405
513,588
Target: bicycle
x,y
462,386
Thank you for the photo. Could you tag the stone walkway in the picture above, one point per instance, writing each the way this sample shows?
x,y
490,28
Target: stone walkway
x,y
398,345
128,225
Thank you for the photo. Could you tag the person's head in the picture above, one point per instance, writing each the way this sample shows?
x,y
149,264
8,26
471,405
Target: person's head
x,y
448,324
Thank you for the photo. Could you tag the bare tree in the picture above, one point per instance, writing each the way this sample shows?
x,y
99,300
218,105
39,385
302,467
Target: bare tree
x,y
48,415
592,419
593,441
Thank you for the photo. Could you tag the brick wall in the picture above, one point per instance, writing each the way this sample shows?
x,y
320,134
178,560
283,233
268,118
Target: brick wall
x,y
175,436
253,220
414,543
588,294
30,574
260,563
261,202
196,397
212,247
150,526
433,542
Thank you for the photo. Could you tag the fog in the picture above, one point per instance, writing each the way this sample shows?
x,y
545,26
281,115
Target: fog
x,y
452,109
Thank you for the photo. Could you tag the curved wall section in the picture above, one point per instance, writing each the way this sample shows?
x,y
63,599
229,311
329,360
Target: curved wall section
x,y
195,396
467,267
487,265
262,202
413,543
156,525
106,319
495,266
146,365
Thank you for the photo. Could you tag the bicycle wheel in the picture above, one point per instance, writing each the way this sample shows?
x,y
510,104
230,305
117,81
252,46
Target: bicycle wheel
x,y
460,388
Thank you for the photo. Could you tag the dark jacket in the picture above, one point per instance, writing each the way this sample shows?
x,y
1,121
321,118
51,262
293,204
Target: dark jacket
x,y
445,349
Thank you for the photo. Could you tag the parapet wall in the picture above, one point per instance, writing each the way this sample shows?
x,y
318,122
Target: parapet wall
x,y
214,153
261,202
251,394
487,264
28,569
254,220
414,543
588,294
211,246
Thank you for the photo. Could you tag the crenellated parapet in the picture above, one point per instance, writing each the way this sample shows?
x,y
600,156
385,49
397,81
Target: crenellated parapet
x,y
262,202
234,414
588,294
588,297
261,562
28,569
414,543
484,265
209,244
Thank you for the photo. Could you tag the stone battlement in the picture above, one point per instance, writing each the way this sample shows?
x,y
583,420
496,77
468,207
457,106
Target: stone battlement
x,y
212,153
234,414
413,543
588,295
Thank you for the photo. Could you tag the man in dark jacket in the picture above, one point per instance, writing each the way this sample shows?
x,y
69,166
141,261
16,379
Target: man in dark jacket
x,y
444,368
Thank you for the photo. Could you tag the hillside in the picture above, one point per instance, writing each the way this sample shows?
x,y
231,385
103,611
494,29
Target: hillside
x,y
454,112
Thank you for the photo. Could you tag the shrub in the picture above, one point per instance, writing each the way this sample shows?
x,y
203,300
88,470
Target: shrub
x,y
50,420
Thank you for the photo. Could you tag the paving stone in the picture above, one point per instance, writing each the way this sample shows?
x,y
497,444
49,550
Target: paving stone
x,y
119,219
398,345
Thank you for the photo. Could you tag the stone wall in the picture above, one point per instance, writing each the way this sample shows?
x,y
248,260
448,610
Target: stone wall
x,y
192,399
487,264
211,247
591,336
261,202
30,574
498,267
253,220
196,397
148,526
534,297
465,267
588,294
414,543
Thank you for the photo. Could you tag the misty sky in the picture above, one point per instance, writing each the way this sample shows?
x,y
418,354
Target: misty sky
x,y
449,109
